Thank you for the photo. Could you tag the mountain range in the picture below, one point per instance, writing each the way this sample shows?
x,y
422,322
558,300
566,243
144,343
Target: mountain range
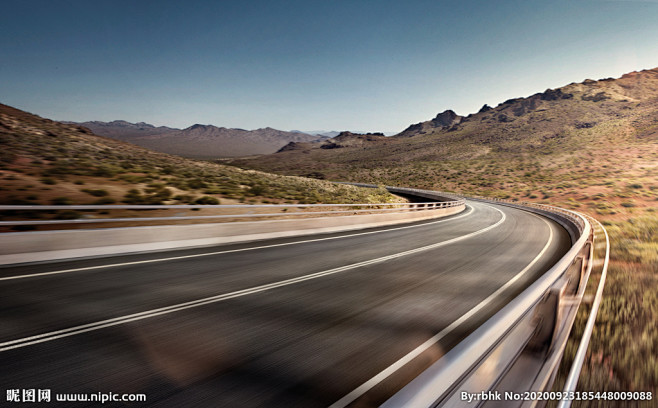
x,y
557,133
200,141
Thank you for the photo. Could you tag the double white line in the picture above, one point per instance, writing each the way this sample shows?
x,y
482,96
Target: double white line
x,y
72,331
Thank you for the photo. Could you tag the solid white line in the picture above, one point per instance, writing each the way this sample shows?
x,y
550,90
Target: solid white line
x,y
41,338
33,275
368,385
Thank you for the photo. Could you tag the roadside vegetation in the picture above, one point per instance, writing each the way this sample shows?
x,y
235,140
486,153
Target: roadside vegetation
x,y
622,354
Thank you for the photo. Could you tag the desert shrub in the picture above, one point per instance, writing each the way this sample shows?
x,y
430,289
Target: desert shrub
x,y
104,201
133,179
196,184
61,201
133,196
256,190
212,190
184,198
105,171
96,193
207,200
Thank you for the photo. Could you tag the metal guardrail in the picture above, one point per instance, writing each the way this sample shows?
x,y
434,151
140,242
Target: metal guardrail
x,y
520,348
357,209
574,372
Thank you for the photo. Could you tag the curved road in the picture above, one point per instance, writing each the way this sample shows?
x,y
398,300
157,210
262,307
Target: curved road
x,y
342,319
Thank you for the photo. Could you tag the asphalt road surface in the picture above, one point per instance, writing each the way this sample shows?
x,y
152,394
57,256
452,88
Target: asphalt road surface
x,y
339,319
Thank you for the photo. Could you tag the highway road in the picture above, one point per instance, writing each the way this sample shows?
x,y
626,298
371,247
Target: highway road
x,y
328,320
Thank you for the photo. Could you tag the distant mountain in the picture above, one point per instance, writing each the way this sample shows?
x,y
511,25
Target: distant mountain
x,y
200,141
122,130
48,162
325,133
334,133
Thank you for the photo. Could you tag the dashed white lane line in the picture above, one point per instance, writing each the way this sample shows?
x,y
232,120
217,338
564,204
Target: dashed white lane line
x,y
172,258
71,331
368,385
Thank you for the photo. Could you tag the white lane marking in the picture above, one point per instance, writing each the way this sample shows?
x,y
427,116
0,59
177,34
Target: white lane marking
x,y
41,338
225,252
365,387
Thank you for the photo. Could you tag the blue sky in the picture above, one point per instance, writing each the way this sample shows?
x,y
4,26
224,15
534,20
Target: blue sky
x,y
333,65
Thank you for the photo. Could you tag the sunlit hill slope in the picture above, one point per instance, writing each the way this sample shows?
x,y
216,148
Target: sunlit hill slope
x,y
47,162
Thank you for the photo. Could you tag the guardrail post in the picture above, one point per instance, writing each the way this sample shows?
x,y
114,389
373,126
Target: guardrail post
x,y
574,275
588,255
546,316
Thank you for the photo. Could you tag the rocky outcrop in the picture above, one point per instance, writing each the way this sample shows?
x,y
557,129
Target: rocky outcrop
x,y
446,119
584,125
294,146
598,97
554,95
503,118
346,136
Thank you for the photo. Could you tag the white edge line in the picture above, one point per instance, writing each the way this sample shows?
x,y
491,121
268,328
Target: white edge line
x,y
41,338
368,385
33,275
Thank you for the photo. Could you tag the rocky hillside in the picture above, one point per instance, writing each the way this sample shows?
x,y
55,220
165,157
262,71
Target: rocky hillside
x,y
534,143
199,141
47,162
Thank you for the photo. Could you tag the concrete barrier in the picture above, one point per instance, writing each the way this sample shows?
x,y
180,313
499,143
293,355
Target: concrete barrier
x,y
40,246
